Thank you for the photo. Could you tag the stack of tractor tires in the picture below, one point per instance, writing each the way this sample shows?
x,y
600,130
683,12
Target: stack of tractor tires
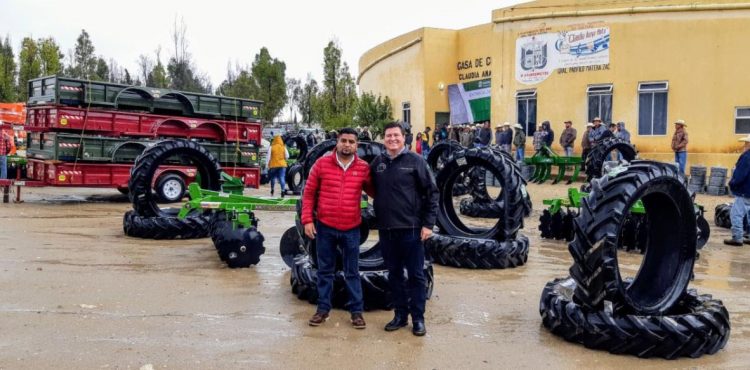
x,y
498,246
717,181
654,314
697,183
300,252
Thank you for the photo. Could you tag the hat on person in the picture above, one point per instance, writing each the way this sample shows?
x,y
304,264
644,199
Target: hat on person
x,y
589,124
745,139
680,122
518,126
568,121
597,119
506,124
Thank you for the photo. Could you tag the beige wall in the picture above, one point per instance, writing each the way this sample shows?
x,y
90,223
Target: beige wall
x,y
701,53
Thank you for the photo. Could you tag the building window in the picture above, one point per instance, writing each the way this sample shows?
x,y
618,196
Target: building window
x,y
406,112
600,102
526,103
742,120
652,108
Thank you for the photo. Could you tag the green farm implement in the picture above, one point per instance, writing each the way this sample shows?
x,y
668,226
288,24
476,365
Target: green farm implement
x,y
543,162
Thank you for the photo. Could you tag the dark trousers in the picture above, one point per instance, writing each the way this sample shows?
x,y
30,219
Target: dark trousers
x,y
326,242
403,250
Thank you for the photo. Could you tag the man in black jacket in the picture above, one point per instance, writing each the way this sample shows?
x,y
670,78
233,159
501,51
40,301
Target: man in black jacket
x,y
406,206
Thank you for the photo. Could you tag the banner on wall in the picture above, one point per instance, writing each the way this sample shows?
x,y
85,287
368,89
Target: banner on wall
x,y
577,49
470,101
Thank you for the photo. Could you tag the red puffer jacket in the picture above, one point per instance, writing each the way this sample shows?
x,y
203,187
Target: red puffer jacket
x,y
335,194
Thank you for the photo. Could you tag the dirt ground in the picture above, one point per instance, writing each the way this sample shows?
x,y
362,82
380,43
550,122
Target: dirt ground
x,y
77,293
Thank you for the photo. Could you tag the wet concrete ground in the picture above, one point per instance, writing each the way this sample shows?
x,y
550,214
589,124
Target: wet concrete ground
x,y
77,293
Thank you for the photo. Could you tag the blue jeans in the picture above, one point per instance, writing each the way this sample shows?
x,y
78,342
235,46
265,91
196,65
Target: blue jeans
x,y
681,159
568,151
403,249
520,154
326,242
3,166
278,173
740,210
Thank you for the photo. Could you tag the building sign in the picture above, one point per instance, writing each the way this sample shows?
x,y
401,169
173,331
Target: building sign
x,y
470,101
471,69
539,54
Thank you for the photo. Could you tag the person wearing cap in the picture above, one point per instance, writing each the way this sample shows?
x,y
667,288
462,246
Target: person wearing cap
x,y
679,144
465,137
586,144
622,133
739,184
568,138
597,133
519,140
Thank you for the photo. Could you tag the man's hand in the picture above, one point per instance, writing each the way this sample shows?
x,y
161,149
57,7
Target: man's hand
x,y
426,233
310,230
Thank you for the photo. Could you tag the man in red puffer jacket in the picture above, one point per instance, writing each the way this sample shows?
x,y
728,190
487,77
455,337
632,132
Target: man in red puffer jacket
x,y
334,190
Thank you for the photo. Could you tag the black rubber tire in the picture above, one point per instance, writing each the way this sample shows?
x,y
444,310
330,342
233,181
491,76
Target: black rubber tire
x,y
545,225
290,245
299,142
698,325
704,232
375,290
716,181
487,209
513,194
240,247
596,157
145,166
167,227
721,216
366,150
294,178
440,153
163,181
665,270
568,230
478,253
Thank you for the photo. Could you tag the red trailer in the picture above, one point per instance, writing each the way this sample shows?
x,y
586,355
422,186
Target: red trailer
x,y
134,124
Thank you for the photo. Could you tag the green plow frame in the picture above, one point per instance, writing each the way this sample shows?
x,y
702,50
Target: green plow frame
x,y
545,159
574,200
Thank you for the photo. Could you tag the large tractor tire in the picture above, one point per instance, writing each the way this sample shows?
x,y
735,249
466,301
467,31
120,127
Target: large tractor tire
x,y
513,194
668,262
294,178
299,142
440,154
375,289
697,325
481,209
598,155
165,227
478,253
366,150
290,245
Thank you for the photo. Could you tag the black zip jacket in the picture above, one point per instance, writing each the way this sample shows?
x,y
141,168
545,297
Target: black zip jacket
x,y
406,196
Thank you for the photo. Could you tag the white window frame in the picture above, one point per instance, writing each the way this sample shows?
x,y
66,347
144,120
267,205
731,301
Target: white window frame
x,y
599,90
406,107
653,87
738,116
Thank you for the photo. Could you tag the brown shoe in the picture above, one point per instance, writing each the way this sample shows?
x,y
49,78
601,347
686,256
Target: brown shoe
x,y
318,319
358,322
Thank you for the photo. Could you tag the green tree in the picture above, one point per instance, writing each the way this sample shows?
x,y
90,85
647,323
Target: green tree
x,y
338,99
269,82
29,65
158,76
127,79
84,64
373,112
293,92
101,73
239,84
7,72
307,103
50,56
180,68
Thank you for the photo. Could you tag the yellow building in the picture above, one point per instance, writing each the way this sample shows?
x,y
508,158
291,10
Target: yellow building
x,y
647,63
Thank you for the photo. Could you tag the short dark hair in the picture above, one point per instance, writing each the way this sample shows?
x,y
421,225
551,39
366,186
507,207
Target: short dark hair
x,y
395,125
348,131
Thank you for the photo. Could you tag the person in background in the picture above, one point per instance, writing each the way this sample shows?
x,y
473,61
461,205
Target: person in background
x,y
622,133
539,138
276,164
679,144
498,135
426,136
425,147
406,202
597,133
506,139
6,143
418,144
519,140
466,137
568,138
485,134
586,144
454,133
549,137
331,215
365,135
739,184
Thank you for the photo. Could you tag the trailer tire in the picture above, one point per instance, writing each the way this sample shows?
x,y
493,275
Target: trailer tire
x,y
697,325
170,188
598,154
375,289
478,253
665,270
145,166
168,227
240,247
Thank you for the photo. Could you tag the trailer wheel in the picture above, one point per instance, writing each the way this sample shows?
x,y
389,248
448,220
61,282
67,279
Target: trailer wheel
x,y
478,253
170,188
697,325
167,227
668,261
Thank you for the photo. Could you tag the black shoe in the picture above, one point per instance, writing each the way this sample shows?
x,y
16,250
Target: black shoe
x,y
418,328
746,240
734,242
396,323
271,192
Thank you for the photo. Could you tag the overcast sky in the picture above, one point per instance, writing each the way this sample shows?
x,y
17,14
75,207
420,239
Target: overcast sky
x,y
233,31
